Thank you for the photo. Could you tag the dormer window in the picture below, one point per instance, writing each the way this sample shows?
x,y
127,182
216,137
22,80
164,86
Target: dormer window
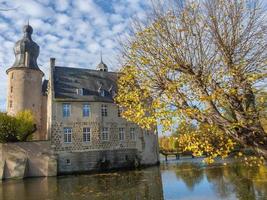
x,y
102,93
113,94
80,91
112,91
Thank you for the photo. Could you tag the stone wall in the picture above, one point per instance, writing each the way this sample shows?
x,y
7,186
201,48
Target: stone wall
x,y
145,145
27,159
96,143
71,162
25,93
43,131
95,122
150,149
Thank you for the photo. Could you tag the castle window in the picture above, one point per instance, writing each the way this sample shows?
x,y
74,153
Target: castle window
x,y
86,110
66,109
67,135
104,134
146,132
10,104
121,134
80,91
132,134
12,75
11,89
102,93
68,162
119,111
104,110
86,134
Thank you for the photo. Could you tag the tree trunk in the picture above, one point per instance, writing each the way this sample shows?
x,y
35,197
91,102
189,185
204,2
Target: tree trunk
x,y
253,137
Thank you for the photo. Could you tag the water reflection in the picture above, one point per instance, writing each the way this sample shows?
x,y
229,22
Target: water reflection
x,y
190,174
233,181
142,184
179,180
244,182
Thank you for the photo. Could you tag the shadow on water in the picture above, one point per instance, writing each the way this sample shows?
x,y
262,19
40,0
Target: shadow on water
x,y
186,179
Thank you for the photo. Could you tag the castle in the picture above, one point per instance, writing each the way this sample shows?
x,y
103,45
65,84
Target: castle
x,y
75,114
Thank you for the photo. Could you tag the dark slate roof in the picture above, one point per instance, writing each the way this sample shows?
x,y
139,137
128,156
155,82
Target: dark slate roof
x,y
26,44
67,80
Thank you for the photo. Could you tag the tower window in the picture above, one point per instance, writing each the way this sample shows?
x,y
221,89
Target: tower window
x,y
121,134
86,134
104,110
132,134
86,110
66,109
10,104
12,75
67,135
11,89
104,134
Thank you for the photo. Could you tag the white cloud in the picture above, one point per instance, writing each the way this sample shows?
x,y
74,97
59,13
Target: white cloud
x,y
74,32
62,5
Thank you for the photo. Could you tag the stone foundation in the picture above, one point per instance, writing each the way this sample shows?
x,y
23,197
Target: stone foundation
x,y
36,159
27,159
74,162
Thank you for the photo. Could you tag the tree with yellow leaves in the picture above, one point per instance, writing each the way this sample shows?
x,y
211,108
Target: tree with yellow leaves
x,y
200,62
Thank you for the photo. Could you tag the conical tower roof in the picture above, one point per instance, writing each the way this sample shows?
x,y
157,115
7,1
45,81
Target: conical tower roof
x,y
26,50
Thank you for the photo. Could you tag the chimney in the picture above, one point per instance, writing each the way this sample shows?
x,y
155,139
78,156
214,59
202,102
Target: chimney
x,y
52,62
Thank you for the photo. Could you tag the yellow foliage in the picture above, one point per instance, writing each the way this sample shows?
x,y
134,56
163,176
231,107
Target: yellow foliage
x,y
171,71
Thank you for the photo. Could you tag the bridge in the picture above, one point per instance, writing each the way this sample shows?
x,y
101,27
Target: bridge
x,y
177,154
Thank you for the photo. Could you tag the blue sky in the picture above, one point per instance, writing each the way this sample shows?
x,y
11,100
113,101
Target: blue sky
x,y
74,32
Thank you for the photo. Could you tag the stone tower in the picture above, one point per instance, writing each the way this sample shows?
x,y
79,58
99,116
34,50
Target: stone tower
x,y
102,66
25,79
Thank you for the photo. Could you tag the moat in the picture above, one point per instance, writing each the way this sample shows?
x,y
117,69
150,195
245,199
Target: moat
x,y
187,179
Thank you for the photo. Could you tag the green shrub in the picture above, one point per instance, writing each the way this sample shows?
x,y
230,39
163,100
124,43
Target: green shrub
x,y
18,128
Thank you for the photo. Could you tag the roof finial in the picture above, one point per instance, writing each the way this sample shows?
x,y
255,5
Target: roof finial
x,y
27,29
102,66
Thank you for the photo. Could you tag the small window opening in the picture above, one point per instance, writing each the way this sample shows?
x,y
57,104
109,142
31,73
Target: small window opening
x,y
80,91
68,162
